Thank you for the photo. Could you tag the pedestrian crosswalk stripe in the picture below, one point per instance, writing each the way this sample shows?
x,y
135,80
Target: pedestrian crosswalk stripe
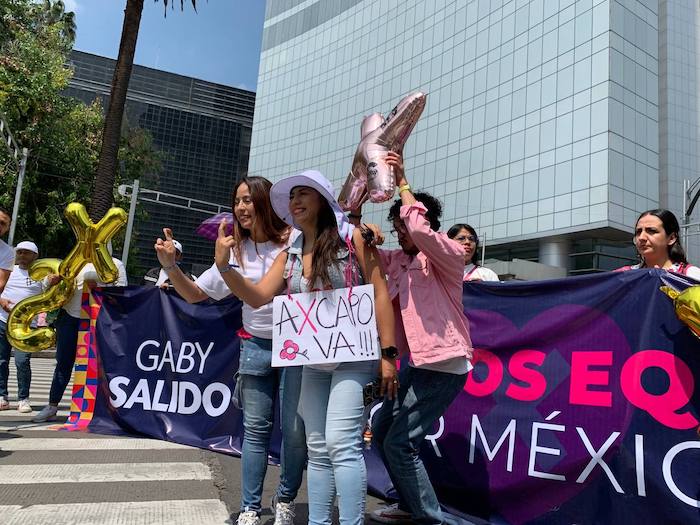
x,y
205,512
58,444
69,479
101,473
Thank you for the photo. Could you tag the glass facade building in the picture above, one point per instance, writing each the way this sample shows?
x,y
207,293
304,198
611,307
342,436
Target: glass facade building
x,y
202,129
550,125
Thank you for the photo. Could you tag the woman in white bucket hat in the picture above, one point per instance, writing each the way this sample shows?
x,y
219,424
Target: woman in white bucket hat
x,y
329,254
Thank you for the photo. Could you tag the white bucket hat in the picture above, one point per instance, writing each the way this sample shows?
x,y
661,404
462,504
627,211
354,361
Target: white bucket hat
x,y
178,245
279,197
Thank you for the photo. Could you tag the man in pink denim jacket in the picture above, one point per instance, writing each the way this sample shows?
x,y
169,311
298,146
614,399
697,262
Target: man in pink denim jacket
x,y
425,285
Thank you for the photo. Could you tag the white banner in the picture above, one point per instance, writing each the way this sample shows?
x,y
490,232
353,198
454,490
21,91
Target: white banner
x,y
329,326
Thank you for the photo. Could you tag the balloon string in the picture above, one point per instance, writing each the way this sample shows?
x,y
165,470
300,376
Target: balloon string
x,y
349,273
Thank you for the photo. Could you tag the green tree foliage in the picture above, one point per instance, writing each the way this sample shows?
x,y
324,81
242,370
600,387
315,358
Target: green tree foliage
x,y
62,134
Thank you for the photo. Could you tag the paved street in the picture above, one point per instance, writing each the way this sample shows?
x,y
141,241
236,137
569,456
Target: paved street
x,y
52,477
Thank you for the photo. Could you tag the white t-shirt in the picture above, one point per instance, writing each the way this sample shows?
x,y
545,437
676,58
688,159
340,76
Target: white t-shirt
x,y
162,277
74,305
693,272
479,273
7,256
256,321
19,286
456,365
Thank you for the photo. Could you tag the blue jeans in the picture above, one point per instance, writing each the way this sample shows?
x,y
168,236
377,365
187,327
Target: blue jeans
x,y
259,384
24,371
399,428
66,344
333,410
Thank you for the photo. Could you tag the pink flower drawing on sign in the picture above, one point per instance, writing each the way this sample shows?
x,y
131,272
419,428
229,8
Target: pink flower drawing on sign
x,y
291,351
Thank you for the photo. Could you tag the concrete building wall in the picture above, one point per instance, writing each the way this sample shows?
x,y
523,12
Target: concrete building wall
x,y
546,120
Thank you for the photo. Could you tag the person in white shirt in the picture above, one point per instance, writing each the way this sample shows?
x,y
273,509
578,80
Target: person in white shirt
x,y
7,254
66,325
258,236
18,287
467,237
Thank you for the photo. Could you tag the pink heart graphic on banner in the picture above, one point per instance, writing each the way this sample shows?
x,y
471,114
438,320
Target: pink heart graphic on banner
x,y
558,332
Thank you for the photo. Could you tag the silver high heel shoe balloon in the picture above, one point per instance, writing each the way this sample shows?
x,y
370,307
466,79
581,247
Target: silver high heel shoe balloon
x,y
370,177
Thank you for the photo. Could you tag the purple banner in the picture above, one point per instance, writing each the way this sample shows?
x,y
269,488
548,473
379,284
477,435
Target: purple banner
x,y
582,406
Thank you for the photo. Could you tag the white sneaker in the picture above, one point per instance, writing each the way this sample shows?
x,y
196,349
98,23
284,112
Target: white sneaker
x,y
4,403
249,517
24,406
391,514
47,414
284,512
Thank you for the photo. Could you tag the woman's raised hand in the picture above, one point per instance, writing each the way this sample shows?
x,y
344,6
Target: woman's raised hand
x,y
224,243
165,249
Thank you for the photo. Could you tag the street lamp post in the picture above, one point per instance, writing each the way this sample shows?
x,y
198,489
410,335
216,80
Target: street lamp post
x,y
134,194
18,195
21,164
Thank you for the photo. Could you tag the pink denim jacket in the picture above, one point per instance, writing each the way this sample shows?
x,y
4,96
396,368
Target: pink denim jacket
x,y
431,324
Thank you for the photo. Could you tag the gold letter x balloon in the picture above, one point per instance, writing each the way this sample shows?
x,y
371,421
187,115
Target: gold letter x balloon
x,y
687,306
90,248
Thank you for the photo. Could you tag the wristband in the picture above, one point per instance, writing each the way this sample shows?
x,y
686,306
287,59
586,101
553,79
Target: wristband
x,y
405,187
391,352
354,215
166,269
225,269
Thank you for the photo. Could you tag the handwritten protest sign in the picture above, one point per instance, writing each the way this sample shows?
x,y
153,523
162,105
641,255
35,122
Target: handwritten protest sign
x,y
329,326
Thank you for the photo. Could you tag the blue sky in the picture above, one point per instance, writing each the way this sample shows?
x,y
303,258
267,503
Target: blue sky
x,y
220,43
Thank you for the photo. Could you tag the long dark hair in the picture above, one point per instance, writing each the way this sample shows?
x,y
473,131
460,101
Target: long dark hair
x,y
676,253
326,247
454,231
274,228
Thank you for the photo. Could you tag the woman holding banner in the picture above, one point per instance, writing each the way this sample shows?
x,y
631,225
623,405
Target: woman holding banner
x,y
658,243
329,254
258,238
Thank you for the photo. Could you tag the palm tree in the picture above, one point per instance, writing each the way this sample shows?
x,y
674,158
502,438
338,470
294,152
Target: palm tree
x,y
103,190
55,13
